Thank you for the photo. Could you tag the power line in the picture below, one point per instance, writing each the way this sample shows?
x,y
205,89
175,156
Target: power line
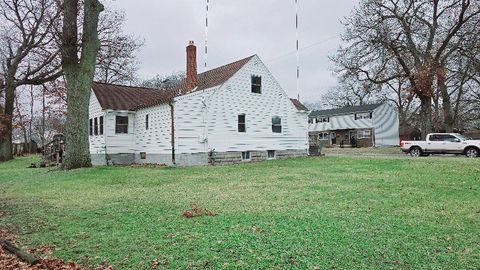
x,y
274,59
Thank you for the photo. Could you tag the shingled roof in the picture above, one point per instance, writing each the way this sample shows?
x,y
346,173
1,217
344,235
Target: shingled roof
x,y
128,98
346,110
214,77
298,105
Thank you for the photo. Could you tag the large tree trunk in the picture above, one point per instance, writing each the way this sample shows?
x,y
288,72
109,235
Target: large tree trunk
x,y
448,119
79,74
77,143
426,116
6,151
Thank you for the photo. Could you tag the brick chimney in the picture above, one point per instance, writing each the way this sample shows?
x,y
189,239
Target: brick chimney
x,y
192,80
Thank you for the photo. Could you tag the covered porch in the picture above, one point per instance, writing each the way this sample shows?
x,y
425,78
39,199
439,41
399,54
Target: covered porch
x,y
343,138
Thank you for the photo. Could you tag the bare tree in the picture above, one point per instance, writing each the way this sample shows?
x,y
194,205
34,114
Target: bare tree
x,y
352,92
419,36
79,74
165,82
116,61
28,54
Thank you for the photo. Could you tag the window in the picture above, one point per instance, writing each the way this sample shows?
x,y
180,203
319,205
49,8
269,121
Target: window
x,y
91,127
143,155
359,116
364,134
276,124
101,125
450,138
443,138
121,125
323,119
242,126
324,136
310,120
146,122
95,126
246,156
256,84
271,154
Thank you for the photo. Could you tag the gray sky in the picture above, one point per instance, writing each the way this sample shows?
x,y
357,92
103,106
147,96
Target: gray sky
x,y
240,28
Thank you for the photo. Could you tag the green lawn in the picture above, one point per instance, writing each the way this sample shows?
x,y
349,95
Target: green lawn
x,y
334,212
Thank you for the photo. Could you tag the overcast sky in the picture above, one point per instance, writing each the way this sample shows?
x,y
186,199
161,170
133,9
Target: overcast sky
x,y
240,28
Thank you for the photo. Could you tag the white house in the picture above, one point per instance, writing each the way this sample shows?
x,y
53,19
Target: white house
x,y
366,125
234,113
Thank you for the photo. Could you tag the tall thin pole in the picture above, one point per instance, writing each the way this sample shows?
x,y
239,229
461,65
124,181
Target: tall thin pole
x,y
206,34
298,49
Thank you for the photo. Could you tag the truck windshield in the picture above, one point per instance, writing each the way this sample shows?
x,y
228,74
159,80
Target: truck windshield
x,y
463,138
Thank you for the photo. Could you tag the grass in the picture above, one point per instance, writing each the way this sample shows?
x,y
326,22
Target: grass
x,y
334,212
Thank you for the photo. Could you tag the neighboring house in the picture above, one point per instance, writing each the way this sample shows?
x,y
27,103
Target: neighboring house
x,y
20,147
364,126
234,113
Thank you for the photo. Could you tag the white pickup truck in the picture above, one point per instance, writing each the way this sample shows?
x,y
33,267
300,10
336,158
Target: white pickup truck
x,y
442,143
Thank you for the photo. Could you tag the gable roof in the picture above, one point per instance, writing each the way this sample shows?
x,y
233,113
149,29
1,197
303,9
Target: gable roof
x,y
299,105
128,98
347,110
214,77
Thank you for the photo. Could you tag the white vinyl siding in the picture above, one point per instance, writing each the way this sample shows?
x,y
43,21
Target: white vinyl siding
x,y
97,142
225,103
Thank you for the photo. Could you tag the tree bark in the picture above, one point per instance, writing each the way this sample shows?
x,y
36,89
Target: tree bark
x,y
426,116
448,119
6,152
79,74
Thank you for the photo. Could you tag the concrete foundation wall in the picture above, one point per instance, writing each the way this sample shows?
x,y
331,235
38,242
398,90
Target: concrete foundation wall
x,y
121,159
98,159
195,159
227,158
161,159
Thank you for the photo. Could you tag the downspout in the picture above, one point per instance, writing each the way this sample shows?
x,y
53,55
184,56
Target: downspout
x,y
172,115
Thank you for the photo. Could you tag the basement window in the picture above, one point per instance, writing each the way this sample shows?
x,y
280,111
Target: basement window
x,y
242,125
143,155
271,154
276,124
246,156
121,124
257,84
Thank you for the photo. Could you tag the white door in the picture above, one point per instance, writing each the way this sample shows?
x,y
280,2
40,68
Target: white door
x,y
435,143
452,144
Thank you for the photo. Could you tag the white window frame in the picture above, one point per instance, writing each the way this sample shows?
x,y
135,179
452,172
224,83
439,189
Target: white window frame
x,y
246,156
277,125
322,119
274,154
359,116
324,136
364,134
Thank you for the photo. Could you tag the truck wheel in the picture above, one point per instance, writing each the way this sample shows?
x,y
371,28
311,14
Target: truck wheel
x,y
472,152
415,151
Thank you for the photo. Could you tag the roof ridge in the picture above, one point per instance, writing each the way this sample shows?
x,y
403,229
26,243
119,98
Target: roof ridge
x,y
130,86
355,106
232,63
